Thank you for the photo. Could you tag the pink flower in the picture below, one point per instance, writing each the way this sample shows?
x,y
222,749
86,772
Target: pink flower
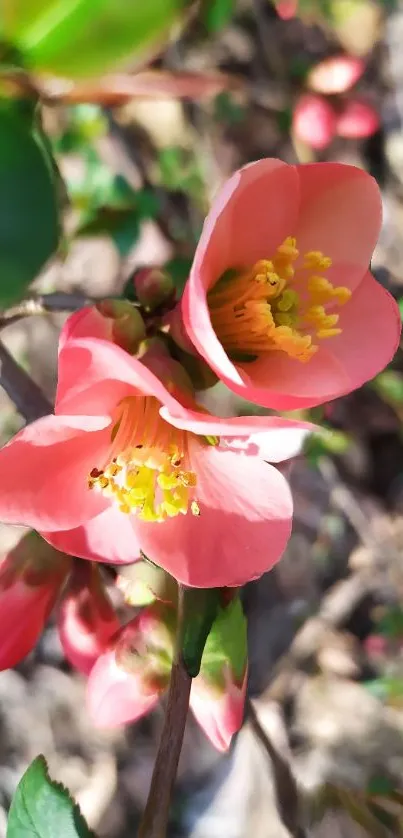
x,y
287,9
87,619
31,576
279,300
335,74
314,121
357,120
123,465
129,677
219,712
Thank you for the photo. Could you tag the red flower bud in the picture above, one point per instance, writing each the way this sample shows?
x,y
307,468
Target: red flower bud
x,y
287,9
129,677
153,286
314,121
357,120
87,619
31,576
336,74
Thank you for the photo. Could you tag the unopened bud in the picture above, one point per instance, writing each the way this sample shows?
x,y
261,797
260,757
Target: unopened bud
x,y
143,582
217,697
126,323
87,619
153,286
31,577
357,121
336,74
314,121
129,677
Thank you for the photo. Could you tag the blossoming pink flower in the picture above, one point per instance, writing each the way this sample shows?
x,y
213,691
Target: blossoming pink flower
x,y
31,576
87,619
123,465
280,301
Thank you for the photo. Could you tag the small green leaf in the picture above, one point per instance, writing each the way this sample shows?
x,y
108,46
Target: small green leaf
x,y
81,38
200,606
218,13
226,643
42,808
29,217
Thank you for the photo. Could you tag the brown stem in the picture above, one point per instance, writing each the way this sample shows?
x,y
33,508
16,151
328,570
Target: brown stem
x,y
156,813
43,304
26,395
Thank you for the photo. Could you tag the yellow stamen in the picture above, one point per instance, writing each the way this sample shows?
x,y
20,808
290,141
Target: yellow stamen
x,y
147,472
256,311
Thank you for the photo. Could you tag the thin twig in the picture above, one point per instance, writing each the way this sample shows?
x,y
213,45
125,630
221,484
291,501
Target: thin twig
x,y
156,813
284,780
28,398
43,304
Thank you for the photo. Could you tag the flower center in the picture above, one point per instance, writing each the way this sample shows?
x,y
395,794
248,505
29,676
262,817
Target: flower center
x,y
146,472
258,310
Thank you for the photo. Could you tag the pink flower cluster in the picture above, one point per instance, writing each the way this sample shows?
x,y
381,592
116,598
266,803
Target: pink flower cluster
x,y
281,307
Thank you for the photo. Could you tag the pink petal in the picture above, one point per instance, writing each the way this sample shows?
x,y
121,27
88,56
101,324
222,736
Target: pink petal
x,y
272,438
340,214
243,526
219,716
85,323
95,374
109,537
371,327
114,696
45,468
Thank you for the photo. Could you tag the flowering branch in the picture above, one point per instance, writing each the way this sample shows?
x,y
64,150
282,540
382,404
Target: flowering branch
x,y
156,813
43,304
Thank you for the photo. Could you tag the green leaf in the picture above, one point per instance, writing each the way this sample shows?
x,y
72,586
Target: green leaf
x,y
226,643
81,38
200,606
29,216
42,808
217,13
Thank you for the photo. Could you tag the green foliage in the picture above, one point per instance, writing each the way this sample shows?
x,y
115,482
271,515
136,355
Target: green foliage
x,y
42,808
87,37
179,171
324,442
217,14
200,606
389,385
29,217
226,643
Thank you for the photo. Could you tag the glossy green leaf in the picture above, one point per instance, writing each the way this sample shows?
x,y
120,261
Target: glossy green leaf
x,y
42,808
200,606
29,217
226,643
79,38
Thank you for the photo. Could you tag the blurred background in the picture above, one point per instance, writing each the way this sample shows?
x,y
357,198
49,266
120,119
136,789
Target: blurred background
x,y
315,80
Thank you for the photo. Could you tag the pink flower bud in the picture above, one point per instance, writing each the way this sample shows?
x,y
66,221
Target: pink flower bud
x,y
87,619
219,711
314,121
287,9
129,677
127,328
375,646
31,576
336,74
357,120
153,286
218,693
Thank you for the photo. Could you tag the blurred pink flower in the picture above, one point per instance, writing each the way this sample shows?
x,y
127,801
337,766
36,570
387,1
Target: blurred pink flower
x,y
125,466
336,74
87,619
279,301
31,577
314,121
219,712
357,120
